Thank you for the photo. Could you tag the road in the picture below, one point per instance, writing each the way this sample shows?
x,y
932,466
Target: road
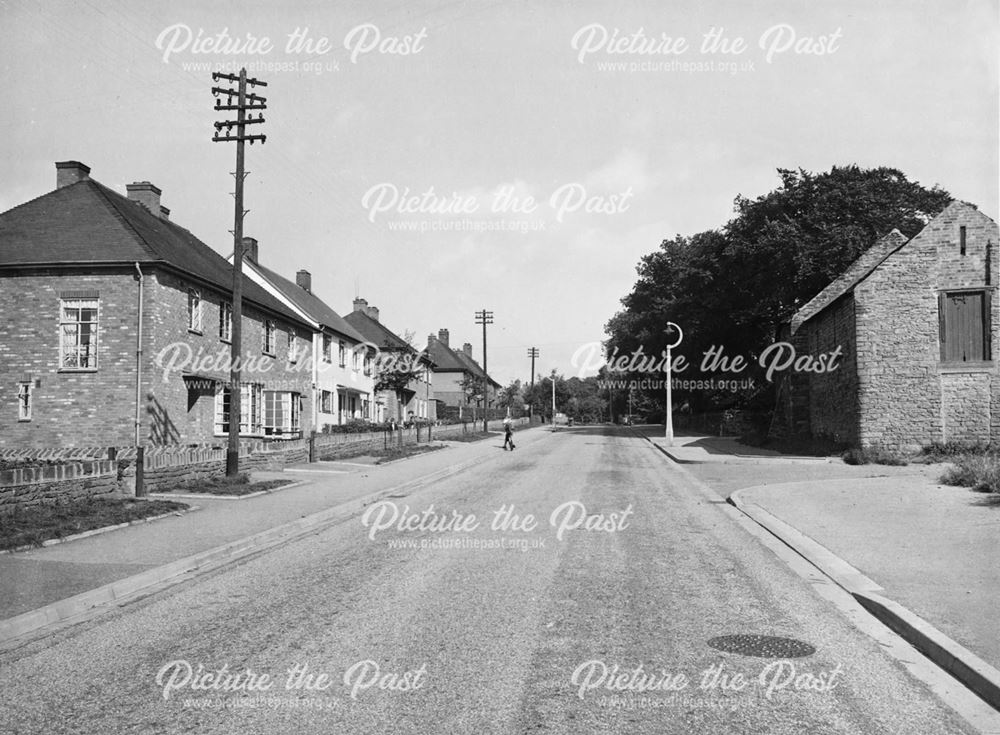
x,y
420,617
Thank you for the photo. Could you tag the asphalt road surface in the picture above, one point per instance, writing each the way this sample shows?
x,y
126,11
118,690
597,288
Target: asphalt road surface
x,y
628,606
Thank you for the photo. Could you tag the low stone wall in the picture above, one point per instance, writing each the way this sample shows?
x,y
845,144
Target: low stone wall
x,y
82,475
32,486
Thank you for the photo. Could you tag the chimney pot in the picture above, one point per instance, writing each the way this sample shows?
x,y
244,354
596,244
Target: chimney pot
x,y
361,305
373,312
443,336
304,279
467,349
70,172
146,194
250,249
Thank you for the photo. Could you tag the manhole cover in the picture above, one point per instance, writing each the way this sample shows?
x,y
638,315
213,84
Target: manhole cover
x,y
765,646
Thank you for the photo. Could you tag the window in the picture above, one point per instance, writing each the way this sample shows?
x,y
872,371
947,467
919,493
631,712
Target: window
x,y
965,326
368,363
342,354
961,240
366,407
194,310
268,346
326,401
281,413
356,359
226,321
250,410
293,349
24,401
78,330
327,348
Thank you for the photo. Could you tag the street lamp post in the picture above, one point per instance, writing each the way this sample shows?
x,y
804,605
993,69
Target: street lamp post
x,y
669,421
553,399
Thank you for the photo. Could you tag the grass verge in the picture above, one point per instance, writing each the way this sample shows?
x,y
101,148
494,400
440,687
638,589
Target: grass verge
x,y
32,526
382,456
472,436
239,485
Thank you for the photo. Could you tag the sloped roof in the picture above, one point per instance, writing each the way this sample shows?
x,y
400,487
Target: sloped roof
x,y
846,281
88,224
445,359
377,333
310,303
474,366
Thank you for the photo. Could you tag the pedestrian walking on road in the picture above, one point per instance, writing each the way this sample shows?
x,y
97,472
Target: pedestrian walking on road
x,y
508,434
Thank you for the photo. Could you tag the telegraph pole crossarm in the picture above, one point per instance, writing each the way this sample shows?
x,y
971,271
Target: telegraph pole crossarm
x,y
245,102
485,317
532,353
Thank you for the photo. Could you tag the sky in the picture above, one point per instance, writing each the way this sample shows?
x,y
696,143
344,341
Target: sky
x,y
438,158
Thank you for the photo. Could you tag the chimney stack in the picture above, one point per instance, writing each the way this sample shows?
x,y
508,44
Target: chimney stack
x,y
467,349
70,172
373,312
304,280
146,194
443,336
250,250
361,305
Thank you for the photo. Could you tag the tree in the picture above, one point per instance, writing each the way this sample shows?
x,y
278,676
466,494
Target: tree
x,y
736,286
510,397
396,368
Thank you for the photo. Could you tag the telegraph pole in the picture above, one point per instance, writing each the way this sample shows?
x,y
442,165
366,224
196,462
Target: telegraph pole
x,y
485,317
532,353
244,103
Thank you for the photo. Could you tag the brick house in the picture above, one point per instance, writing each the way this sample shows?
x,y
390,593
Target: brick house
x,y
343,379
117,326
917,323
416,399
451,369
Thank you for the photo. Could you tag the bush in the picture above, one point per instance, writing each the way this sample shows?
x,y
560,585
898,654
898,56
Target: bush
x,y
981,472
354,426
945,451
873,455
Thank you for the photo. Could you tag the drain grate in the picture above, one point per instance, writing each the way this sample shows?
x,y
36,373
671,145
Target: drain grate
x,y
763,646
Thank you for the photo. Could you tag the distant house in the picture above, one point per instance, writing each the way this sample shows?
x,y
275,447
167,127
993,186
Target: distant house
x,y
84,272
341,361
917,321
458,377
415,399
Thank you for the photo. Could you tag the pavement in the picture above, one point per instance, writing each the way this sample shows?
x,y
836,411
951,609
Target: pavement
x,y
42,586
657,609
921,556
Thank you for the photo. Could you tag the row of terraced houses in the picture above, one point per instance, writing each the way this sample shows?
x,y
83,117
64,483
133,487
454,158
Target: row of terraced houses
x,y
118,323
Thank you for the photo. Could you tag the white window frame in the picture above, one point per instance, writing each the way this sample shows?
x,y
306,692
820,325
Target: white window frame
x,y
251,410
65,324
326,401
341,353
327,348
195,311
267,341
226,321
285,406
25,398
293,346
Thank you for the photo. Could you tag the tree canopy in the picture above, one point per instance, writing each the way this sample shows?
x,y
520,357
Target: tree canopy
x,y
735,286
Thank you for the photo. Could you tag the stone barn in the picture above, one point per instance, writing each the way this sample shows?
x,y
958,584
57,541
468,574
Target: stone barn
x,y
916,321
